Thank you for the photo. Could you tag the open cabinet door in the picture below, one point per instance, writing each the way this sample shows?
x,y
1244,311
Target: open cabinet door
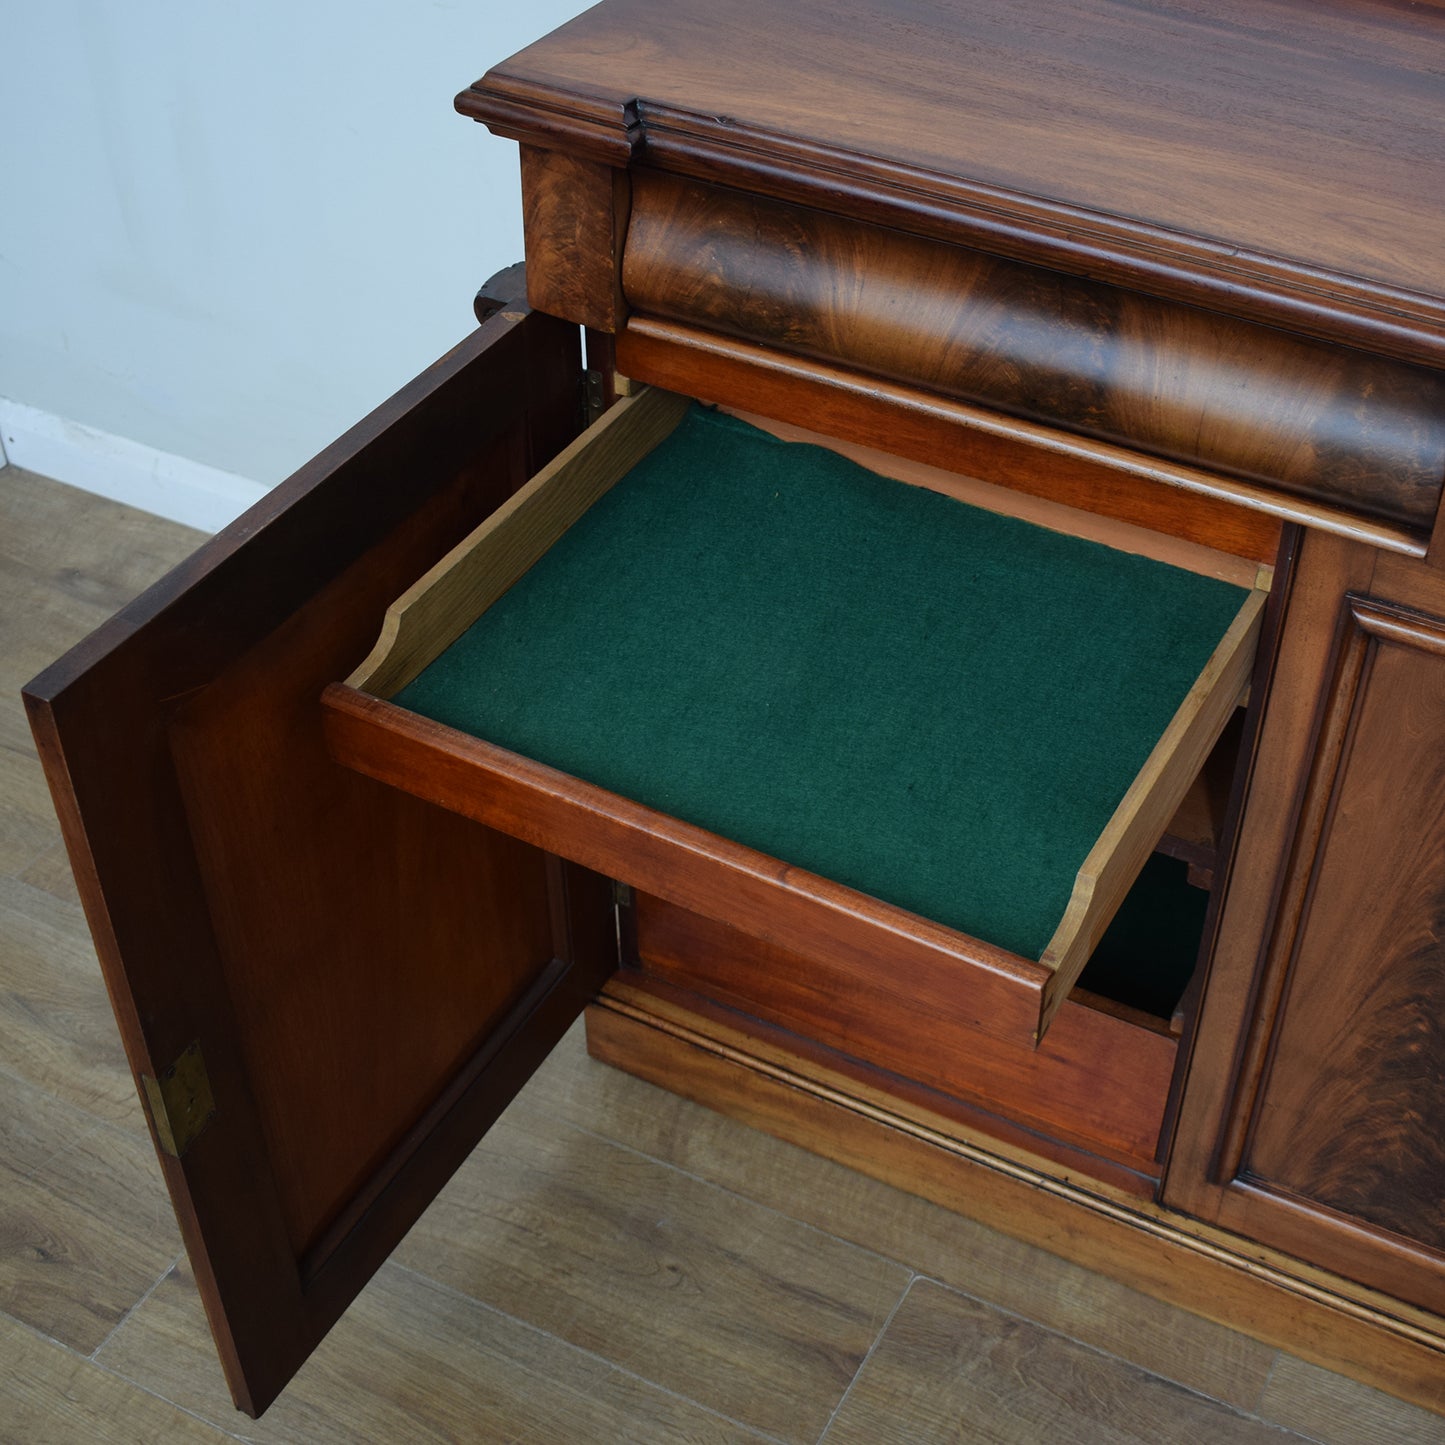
x,y
327,988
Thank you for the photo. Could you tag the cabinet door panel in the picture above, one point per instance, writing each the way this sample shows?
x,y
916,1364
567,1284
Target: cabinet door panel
x,y
1351,1108
1312,1113
327,989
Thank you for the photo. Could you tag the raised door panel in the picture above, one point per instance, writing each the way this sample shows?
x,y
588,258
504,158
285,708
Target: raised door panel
x,y
1312,1117
327,989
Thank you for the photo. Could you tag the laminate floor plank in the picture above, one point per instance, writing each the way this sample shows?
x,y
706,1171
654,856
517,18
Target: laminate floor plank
x,y
85,1224
56,1027
971,1257
50,1396
50,872
1336,1411
752,1314
27,817
412,1361
86,547
68,560
950,1368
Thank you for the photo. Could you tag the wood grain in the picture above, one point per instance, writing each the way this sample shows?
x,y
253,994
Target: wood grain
x,y
413,1359
1113,863
1111,532
746,1311
933,1241
440,605
49,1396
1355,1126
1322,422
303,960
1256,1290
574,215
1280,164
1094,1081
85,1226
687,865
1330,752
1197,827
951,1369
1339,1411
56,1027
1094,475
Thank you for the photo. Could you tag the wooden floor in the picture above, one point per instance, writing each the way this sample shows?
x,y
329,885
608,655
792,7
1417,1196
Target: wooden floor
x,y
613,1264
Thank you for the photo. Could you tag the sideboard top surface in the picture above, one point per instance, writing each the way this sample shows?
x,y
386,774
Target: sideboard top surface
x,y
1284,158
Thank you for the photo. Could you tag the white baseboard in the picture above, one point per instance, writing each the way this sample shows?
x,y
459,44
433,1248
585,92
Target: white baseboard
x,y
123,470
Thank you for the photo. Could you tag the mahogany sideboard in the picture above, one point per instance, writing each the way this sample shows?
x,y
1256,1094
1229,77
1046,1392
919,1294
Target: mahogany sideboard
x,y
1169,277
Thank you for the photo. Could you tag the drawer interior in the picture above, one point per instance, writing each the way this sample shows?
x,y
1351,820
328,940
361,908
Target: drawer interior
x,y
934,718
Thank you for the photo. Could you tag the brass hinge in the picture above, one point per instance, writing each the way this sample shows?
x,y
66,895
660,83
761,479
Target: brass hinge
x,y
180,1101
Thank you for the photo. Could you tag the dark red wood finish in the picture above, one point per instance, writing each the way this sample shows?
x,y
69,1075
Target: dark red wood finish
x,y
1311,1116
1353,430
1095,1081
369,979
1278,161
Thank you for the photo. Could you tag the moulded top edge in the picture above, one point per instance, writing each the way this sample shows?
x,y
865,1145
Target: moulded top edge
x,y
1285,166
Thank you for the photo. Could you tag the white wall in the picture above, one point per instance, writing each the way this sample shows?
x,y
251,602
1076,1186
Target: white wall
x,y
229,230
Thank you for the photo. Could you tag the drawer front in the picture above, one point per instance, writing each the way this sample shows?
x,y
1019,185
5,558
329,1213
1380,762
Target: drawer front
x,y
1340,427
443,753
1096,1081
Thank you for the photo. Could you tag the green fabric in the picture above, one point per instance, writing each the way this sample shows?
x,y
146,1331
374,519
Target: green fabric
x,y
929,703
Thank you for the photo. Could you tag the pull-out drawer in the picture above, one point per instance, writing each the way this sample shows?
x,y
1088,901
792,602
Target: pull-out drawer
x,y
844,715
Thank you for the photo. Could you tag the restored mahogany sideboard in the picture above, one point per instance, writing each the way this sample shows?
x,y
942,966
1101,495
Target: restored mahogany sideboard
x,y
1170,277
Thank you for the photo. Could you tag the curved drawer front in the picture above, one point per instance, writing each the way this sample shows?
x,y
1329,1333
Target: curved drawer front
x,y
1346,428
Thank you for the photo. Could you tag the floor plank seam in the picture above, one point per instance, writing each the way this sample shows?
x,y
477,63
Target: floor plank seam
x,y
156,1283
166,1400
1266,1383
1124,1360
89,1362
446,1287
41,1334
872,1349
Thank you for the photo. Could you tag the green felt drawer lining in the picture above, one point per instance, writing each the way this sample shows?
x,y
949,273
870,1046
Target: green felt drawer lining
x,y
932,704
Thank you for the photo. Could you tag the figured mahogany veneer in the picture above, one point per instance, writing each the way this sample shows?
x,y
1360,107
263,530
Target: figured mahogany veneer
x,y
1324,422
1280,162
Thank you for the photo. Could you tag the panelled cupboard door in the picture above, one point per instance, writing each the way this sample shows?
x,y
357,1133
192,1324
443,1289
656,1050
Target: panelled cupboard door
x,y
327,988
1333,1102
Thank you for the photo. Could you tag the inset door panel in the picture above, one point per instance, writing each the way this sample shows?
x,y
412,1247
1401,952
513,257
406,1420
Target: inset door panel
x,y
326,989
1332,1147
1350,1109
